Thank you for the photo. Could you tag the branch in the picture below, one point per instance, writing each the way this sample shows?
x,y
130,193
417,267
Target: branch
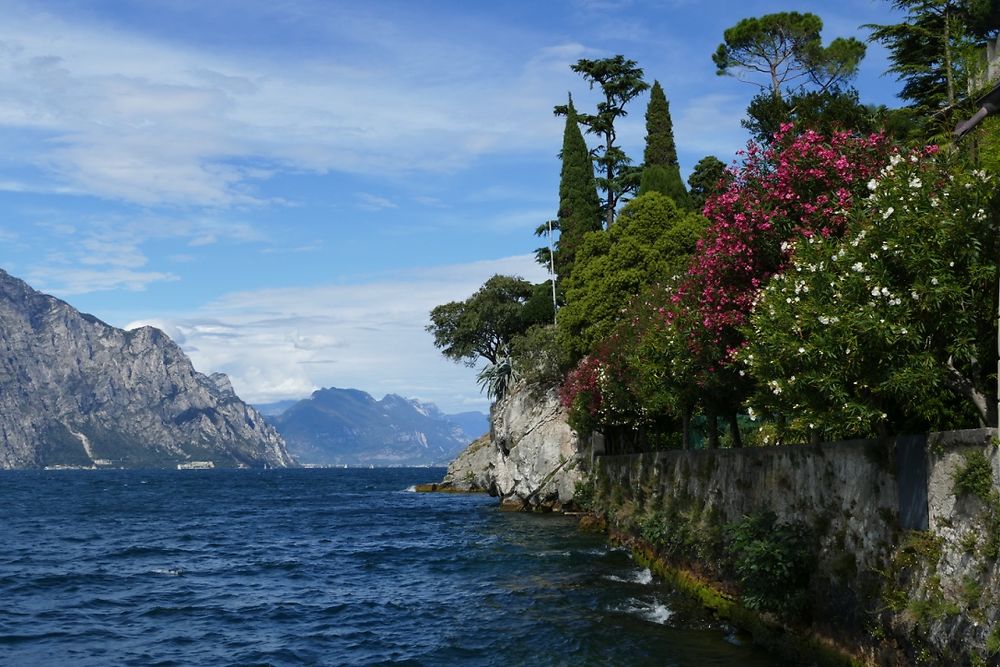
x,y
964,386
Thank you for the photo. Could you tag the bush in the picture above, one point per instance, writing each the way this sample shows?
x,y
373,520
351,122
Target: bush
x,y
975,477
772,561
537,357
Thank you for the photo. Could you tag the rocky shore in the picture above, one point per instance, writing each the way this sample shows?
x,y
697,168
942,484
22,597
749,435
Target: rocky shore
x,y
531,459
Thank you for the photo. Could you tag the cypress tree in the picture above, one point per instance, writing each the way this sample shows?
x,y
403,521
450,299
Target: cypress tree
x,y
661,172
579,205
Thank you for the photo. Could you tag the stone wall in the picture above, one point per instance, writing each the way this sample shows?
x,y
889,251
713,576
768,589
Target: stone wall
x,y
904,564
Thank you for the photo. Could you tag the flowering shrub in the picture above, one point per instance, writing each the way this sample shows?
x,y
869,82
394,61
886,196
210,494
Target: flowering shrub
x,y
581,394
891,327
802,185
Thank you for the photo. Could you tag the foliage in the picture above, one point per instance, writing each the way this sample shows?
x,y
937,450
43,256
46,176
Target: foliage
x,y
801,185
620,80
772,561
891,328
660,146
660,170
483,325
650,243
825,111
786,47
537,357
585,493
709,177
580,394
497,378
974,477
579,205
933,53
667,181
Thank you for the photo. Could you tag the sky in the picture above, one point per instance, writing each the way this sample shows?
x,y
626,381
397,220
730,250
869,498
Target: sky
x,y
288,187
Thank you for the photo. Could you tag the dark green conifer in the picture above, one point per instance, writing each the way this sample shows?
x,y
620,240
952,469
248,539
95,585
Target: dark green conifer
x,y
579,205
660,172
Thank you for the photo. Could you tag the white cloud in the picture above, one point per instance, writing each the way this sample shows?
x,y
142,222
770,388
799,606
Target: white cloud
x,y
128,117
370,202
285,343
66,281
108,253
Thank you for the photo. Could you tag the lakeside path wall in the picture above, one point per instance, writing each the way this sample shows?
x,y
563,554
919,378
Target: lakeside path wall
x,y
902,561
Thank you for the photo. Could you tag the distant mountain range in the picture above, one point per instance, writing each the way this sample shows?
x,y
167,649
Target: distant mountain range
x,y
348,426
75,391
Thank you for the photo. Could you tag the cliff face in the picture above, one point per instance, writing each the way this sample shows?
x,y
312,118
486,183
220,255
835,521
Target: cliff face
x,y
77,391
473,469
537,456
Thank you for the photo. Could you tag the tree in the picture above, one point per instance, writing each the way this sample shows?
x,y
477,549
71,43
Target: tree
x,y
786,48
579,205
825,111
483,326
891,328
660,170
708,178
927,52
982,18
650,243
620,80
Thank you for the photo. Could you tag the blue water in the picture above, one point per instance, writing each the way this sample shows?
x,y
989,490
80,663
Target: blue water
x,y
320,567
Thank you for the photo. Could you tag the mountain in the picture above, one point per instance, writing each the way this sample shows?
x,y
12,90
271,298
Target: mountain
x,y
348,426
473,423
274,409
75,391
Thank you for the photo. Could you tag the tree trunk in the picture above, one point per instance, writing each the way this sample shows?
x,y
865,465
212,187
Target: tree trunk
x,y
949,74
734,429
686,429
609,215
713,427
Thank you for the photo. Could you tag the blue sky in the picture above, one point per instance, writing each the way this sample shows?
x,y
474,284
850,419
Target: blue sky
x,y
287,188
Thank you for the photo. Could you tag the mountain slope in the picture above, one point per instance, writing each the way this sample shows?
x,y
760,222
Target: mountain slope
x,y
348,426
75,391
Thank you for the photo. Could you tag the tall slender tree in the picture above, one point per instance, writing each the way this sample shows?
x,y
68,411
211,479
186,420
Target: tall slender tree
x,y
660,170
620,80
579,205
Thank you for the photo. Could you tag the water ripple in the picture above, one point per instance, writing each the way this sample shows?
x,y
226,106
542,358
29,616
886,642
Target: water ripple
x,y
319,567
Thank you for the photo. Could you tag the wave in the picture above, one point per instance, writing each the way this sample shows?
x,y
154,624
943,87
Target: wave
x,y
643,577
652,611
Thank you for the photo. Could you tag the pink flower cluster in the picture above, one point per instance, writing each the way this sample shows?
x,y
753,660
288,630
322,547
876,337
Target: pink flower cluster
x,y
803,184
584,379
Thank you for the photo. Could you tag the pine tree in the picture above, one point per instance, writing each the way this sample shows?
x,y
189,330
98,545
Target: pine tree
x,y
620,80
926,53
579,205
660,172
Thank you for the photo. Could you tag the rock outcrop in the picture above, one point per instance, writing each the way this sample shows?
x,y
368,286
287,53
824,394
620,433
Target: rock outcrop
x,y
472,471
75,391
538,458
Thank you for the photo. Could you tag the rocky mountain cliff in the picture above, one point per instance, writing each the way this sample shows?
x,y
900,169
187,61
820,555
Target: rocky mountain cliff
x,y
76,391
531,459
348,426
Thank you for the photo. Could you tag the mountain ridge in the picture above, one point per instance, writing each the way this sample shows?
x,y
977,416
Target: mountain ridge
x,y
76,391
337,426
